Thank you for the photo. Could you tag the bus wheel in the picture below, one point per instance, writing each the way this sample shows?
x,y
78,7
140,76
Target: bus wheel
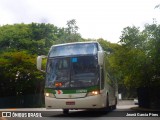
x,y
107,103
65,111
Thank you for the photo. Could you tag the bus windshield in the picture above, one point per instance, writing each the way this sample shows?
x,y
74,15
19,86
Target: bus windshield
x,y
73,49
72,72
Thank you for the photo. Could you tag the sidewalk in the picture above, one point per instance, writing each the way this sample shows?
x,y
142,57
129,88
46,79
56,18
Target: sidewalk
x,y
143,109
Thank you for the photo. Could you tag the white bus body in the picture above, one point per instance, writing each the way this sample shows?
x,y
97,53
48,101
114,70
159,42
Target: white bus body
x,y
76,77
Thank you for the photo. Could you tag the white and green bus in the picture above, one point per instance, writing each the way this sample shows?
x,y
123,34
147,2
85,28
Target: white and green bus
x,y
76,77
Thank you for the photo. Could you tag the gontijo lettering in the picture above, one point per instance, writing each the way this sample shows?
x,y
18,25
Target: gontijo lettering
x,y
81,91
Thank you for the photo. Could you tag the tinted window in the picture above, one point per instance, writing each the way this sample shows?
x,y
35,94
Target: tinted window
x,y
72,72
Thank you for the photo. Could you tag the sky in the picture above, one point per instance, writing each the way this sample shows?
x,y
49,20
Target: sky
x,y
95,18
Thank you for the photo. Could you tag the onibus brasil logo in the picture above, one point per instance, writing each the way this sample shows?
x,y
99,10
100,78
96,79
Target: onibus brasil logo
x,y
21,114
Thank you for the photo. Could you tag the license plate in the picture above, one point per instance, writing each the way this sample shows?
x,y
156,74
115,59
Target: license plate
x,y
70,103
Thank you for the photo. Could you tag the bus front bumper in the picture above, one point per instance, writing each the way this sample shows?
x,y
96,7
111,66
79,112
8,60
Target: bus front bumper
x,y
78,103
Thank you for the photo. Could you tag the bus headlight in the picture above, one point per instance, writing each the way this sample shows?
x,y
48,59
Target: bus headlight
x,y
49,95
92,93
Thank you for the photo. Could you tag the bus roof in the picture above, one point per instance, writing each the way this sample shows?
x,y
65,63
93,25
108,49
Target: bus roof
x,y
71,43
74,48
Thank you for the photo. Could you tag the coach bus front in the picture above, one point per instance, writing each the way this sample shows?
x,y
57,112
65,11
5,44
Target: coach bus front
x,y
73,77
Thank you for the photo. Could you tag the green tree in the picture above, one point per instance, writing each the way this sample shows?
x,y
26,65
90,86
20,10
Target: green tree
x,y
70,34
140,61
19,74
72,27
19,46
152,33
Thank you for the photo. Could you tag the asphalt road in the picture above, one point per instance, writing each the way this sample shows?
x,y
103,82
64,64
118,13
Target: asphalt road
x,y
123,109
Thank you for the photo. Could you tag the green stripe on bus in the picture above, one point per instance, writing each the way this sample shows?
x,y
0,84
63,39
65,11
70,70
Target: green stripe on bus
x,y
89,89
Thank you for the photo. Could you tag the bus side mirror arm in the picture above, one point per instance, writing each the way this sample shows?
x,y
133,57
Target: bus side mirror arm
x,y
39,62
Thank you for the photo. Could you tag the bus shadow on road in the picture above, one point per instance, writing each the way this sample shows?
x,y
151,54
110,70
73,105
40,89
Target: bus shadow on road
x,y
85,113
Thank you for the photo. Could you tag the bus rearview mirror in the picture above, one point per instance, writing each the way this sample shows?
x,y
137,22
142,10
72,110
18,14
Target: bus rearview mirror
x,y
39,62
100,57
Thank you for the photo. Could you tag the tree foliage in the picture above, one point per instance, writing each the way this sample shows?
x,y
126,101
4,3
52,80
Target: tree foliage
x,y
19,74
19,46
140,62
134,62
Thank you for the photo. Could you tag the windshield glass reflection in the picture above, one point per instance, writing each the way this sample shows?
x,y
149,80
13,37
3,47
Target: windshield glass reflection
x,y
72,72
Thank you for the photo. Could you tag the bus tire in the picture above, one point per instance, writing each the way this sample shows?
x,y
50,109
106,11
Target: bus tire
x,y
65,111
107,103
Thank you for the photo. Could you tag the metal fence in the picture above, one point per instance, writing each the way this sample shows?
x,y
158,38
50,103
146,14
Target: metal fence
x,y
23,101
